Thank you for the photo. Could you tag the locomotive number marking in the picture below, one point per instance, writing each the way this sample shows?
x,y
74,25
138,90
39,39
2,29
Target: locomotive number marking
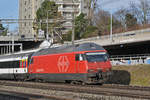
x,y
63,64
39,70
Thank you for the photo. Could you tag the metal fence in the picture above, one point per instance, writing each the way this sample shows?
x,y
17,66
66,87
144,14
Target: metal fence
x,y
130,59
9,48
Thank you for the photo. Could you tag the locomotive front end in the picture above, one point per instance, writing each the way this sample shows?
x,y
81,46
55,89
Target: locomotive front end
x,y
99,67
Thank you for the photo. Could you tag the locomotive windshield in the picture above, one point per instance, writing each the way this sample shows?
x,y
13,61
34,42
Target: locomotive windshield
x,y
97,57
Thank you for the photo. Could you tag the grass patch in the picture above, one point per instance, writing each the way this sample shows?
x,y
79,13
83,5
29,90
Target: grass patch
x,y
138,74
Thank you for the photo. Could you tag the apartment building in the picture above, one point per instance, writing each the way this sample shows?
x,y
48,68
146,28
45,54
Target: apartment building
x,y
28,8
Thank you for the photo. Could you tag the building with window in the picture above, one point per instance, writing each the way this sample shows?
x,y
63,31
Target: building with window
x,y
28,8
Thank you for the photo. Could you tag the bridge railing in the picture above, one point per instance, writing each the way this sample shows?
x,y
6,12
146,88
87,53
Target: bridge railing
x,y
21,38
9,48
130,59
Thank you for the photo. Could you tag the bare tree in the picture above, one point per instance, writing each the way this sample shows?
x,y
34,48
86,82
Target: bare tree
x,y
145,10
140,11
134,10
120,15
102,21
92,5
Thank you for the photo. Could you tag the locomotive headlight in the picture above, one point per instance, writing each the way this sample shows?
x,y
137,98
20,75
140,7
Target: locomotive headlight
x,y
99,68
91,70
107,69
110,69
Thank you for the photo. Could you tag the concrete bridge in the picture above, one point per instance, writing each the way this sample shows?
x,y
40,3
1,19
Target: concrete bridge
x,y
120,38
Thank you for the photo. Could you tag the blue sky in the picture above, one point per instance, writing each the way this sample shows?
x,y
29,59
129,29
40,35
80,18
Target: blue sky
x,y
9,9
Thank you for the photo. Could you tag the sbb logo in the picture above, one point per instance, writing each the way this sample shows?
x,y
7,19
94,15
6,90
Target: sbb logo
x,y
63,64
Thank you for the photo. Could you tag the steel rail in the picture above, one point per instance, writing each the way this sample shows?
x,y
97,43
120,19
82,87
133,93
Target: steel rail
x,y
131,92
27,96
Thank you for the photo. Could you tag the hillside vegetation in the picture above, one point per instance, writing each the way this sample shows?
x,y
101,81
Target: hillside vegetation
x,y
138,75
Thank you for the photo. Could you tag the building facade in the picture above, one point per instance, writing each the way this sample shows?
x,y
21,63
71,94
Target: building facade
x,y
28,8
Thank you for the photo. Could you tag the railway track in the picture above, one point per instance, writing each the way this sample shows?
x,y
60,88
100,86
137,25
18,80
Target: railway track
x,y
11,95
127,87
107,90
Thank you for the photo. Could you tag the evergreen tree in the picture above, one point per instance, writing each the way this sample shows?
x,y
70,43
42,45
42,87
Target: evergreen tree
x,y
3,31
81,24
48,9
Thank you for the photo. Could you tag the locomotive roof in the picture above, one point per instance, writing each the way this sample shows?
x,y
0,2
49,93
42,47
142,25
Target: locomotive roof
x,y
69,48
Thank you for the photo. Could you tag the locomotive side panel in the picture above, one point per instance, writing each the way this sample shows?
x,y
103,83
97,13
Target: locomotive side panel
x,y
58,67
54,64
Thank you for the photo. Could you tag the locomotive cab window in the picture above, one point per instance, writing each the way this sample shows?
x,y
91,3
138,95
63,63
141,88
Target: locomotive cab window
x,y
97,57
79,57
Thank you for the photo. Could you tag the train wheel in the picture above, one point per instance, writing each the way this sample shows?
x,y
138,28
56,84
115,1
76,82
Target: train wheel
x,y
77,83
83,83
73,82
67,81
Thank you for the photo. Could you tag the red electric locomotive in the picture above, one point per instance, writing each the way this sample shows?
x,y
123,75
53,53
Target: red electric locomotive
x,y
86,63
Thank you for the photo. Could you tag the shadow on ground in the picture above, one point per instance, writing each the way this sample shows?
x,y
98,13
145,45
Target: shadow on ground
x,y
120,77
